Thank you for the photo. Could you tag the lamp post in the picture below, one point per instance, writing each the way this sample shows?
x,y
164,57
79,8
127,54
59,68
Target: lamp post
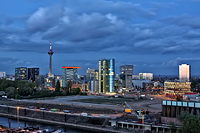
x,y
143,123
18,116
61,106
38,105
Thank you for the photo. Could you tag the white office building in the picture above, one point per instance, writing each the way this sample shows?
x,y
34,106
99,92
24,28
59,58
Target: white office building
x,y
146,76
140,83
184,73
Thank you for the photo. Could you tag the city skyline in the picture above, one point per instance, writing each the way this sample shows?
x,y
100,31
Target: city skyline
x,y
153,36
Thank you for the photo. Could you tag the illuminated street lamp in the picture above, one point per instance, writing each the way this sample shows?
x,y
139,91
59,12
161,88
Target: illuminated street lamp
x,y
18,116
61,106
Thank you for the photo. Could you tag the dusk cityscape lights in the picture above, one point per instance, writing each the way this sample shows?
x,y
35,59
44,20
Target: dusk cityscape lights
x,y
85,66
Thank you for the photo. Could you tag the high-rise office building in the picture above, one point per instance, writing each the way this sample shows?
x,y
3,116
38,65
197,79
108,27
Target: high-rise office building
x,y
146,76
21,73
126,73
32,73
106,75
50,52
184,73
69,73
92,74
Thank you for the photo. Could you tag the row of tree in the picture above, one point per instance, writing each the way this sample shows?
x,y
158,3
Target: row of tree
x,y
25,89
63,91
191,123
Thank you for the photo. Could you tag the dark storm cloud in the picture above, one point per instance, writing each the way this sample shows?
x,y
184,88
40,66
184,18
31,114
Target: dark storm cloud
x,y
173,49
84,27
123,9
184,20
109,28
180,60
44,18
13,61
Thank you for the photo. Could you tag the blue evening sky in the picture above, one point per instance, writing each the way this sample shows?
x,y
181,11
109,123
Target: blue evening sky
x,y
153,35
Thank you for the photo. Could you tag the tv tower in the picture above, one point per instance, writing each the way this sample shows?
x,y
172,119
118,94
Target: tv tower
x,y
50,52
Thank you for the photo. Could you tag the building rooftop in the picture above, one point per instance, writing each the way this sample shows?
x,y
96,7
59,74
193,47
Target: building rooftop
x,y
70,67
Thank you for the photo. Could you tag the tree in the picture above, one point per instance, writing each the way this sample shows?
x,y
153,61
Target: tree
x,y
76,90
57,89
191,123
10,91
69,85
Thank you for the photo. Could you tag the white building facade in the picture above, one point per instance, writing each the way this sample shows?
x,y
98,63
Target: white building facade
x,y
146,76
184,73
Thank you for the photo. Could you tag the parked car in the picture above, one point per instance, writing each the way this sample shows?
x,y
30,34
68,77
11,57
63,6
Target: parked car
x,y
68,111
44,109
32,107
55,110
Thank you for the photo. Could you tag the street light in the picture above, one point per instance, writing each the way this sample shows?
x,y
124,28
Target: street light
x,y
18,116
38,105
61,106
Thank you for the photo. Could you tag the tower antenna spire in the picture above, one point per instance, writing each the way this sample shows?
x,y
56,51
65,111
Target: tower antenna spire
x,y
50,45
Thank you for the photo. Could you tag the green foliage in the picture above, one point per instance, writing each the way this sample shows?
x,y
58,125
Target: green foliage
x,y
57,93
76,91
69,85
195,84
25,89
17,96
22,89
10,91
83,93
57,89
44,92
191,123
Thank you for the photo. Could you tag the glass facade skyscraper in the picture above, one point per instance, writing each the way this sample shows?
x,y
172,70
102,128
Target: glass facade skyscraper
x,y
32,72
21,73
92,74
111,74
69,73
106,75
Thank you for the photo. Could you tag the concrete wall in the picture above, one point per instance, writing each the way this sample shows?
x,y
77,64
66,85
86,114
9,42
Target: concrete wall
x,y
53,116
169,119
174,111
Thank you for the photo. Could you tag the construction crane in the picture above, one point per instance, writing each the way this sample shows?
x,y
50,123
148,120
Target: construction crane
x,y
139,116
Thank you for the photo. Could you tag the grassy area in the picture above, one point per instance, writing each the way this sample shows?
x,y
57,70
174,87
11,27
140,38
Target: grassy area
x,y
111,101
3,127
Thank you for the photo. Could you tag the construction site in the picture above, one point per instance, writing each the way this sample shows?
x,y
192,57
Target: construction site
x,y
106,113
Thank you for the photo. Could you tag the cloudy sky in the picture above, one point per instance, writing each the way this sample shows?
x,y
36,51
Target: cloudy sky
x,y
153,35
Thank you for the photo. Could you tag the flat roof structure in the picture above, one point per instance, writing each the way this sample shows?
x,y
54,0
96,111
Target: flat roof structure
x,y
70,67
